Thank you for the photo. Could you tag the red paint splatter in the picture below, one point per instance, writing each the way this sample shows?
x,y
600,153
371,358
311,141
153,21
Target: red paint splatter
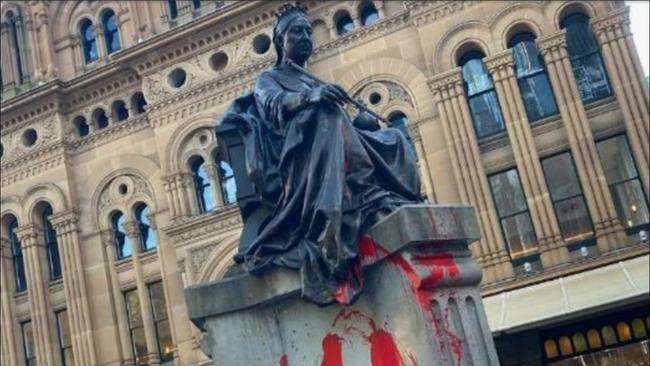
x,y
348,289
383,350
332,353
439,263
284,361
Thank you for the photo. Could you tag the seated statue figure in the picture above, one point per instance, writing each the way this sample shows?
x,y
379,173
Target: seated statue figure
x,y
322,177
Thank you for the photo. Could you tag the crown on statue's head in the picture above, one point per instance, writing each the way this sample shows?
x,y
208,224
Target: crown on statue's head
x,y
290,8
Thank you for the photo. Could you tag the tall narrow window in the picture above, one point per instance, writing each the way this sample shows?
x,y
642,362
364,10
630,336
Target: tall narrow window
x,y
482,99
624,184
586,60
196,4
28,343
161,322
65,344
513,213
147,235
227,181
111,31
368,13
89,44
15,29
81,125
136,327
122,244
17,256
532,78
568,200
52,246
173,9
344,23
202,187
100,118
138,103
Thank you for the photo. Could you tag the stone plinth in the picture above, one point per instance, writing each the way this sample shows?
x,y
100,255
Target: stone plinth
x,y
421,304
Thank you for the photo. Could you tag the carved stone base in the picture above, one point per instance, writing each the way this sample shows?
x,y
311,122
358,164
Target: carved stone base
x,y
421,304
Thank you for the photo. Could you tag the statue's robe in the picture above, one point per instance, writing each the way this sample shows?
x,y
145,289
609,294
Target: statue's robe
x,y
323,180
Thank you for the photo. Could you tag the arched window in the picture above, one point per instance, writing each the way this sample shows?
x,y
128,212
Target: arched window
x,y
344,23
81,126
482,99
550,347
586,60
594,339
89,44
147,235
173,9
202,187
196,4
566,348
120,113
638,329
49,234
111,31
624,332
122,244
100,119
369,14
609,336
227,181
16,255
16,39
532,78
138,103
579,342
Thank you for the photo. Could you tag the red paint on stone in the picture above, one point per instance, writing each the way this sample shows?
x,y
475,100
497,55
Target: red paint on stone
x,y
383,350
284,361
332,350
438,263
349,288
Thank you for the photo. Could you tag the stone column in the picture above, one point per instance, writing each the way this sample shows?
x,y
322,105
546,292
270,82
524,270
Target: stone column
x,y
173,205
39,297
9,332
108,241
45,44
78,60
67,231
34,52
470,175
188,193
423,164
623,67
609,232
215,183
8,73
551,245
100,41
20,37
133,233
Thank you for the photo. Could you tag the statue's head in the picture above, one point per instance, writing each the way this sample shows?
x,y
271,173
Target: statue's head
x,y
292,34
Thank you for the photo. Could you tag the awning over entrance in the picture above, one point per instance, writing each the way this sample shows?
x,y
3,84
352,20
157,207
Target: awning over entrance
x,y
568,296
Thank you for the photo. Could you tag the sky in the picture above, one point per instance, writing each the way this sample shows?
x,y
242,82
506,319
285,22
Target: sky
x,y
640,25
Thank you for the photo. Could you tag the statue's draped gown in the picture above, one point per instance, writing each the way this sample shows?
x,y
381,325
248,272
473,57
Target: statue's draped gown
x,y
323,180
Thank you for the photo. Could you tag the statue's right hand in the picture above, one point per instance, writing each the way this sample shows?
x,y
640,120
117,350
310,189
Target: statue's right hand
x,y
326,93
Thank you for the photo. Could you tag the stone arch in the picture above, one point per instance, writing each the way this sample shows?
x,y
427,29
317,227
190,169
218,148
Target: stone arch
x,y
407,75
47,192
445,54
107,170
219,261
519,17
14,6
11,206
559,11
181,136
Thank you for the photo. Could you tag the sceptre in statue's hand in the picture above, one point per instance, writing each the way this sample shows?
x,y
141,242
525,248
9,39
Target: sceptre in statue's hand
x,y
321,176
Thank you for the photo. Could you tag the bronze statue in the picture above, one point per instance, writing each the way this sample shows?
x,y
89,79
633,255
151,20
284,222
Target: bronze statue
x,y
320,178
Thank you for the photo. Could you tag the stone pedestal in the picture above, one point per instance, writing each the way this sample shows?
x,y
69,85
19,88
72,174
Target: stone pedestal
x,y
421,304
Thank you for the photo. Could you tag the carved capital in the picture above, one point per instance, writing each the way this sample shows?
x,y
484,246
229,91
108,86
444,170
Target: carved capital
x,y
444,85
108,238
548,45
500,65
5,248
617,21
27,233
65,221
132,229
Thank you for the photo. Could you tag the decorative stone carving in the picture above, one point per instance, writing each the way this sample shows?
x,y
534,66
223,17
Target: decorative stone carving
x,y
121,189
199,256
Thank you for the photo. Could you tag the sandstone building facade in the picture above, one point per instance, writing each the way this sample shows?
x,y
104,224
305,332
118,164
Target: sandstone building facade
x,y
115,196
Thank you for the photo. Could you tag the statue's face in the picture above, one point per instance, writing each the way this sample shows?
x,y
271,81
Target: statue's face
x,y
297,42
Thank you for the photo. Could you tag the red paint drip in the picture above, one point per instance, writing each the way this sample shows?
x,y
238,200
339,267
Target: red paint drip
x,y
351,286
438,263
332,353
383,350
284,361
369,250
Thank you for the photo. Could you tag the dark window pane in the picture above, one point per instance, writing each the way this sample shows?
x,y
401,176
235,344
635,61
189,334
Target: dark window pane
x,y
139,346
616,159
88,41
202,186
486,114
173,9
147,234
111,32
134,314
630,203
17,257
28,343
519,234
475,75
369,15
580,40
65,345
508,195
591,77
574,219
196,4
228,186
538,97
527,57
344,24
158,301
122,241
165,340
561,176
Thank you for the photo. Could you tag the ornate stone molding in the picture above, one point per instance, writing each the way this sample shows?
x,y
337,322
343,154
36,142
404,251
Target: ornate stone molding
x,y
65,221
39,161
618,19
122,189
199,256
27,232
500,65
447,81
195,228
554,42
114,132
425,12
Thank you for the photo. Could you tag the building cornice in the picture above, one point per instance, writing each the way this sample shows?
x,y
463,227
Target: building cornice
x,y
195,228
